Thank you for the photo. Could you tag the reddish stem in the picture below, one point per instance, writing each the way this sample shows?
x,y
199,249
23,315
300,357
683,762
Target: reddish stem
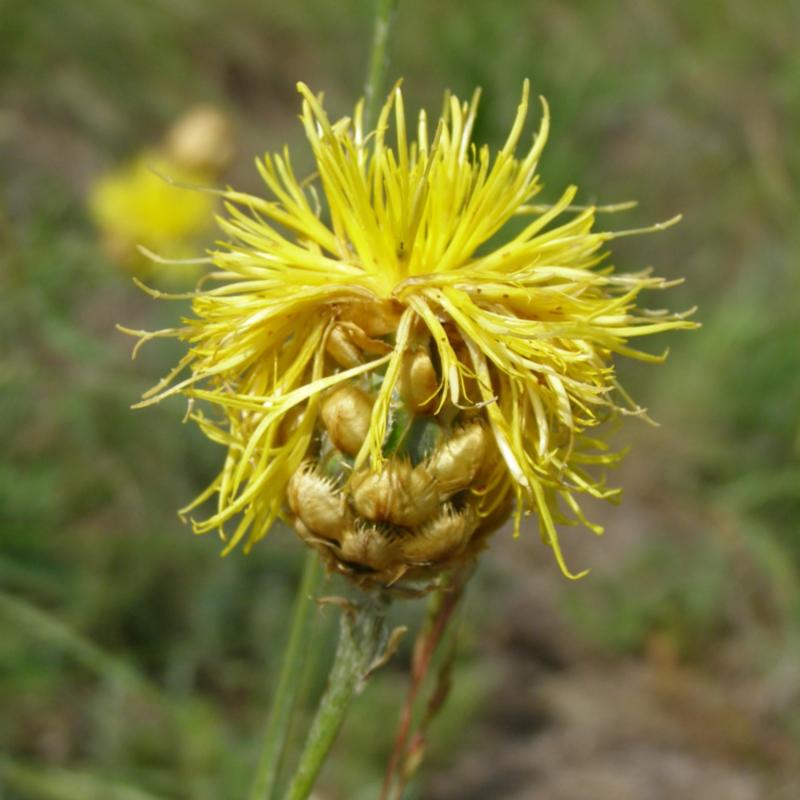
x,y
425,647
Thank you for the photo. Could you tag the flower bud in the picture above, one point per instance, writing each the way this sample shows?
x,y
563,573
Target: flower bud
x,y
418,381
341,348
455,463
320,507
367,546
397,494
346,415
444,537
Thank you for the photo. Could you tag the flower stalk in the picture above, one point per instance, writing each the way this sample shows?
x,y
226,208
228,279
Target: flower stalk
x,y
363,640
278,725
378,58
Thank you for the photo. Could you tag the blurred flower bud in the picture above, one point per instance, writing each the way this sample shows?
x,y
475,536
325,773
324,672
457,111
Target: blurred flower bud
x,y
201,140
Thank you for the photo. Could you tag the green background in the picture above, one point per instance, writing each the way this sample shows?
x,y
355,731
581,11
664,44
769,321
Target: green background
x,y
135,663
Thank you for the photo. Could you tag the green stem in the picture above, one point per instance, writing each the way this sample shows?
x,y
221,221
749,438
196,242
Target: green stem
x,y
377,60
362,640
288,682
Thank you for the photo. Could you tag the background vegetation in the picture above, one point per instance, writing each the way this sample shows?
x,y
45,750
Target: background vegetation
x,y
136,664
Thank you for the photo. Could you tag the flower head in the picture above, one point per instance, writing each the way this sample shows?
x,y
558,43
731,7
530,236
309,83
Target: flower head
x,y
144,203
388,365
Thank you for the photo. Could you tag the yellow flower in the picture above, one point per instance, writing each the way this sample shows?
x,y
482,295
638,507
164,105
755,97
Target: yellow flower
x,y
145,203
137,205
382,352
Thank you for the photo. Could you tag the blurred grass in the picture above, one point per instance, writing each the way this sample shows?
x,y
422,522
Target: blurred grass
x,y
656,102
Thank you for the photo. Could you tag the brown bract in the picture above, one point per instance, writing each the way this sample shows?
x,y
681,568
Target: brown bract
x,y
403,521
